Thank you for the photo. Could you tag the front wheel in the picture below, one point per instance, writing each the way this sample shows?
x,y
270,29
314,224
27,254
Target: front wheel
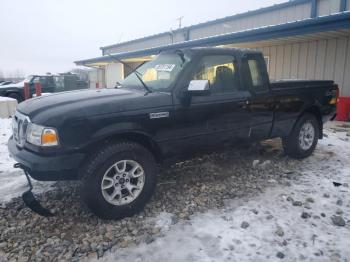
x,y
303,139
118,180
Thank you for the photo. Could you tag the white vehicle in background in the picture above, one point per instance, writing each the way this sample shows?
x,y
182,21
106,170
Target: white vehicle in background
x,y
3,83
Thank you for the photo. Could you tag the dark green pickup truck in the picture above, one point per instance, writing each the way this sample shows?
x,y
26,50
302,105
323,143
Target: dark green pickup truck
x,y
182,103
49,83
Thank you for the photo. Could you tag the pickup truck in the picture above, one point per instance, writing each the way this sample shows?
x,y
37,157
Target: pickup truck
x,y
3,83
182,102
49,83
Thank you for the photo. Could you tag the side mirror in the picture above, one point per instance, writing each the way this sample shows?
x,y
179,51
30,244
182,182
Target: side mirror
x,y
199,87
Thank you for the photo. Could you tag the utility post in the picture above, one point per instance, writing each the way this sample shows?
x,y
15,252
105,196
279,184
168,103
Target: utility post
x,y
180,21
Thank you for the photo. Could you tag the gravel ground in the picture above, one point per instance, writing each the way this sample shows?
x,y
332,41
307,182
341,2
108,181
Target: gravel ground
x,y
185,189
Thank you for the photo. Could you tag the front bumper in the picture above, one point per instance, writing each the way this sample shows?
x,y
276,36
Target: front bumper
x,y
47,168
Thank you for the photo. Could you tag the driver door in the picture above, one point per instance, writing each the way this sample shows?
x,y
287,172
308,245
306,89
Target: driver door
x,y
222,116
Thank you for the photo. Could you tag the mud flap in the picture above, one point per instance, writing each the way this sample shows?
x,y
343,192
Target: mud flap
x,y
30,200
333,117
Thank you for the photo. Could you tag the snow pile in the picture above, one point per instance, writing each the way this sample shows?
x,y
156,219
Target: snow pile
x,y
43,94
163,221
12,181
296,222
4,98
7,107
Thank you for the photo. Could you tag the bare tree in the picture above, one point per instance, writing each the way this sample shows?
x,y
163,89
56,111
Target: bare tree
x,y
18,73
13,75
1,75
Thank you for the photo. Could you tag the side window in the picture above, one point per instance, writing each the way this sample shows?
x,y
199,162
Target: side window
x,y
256,78
43,80
59,83
221,72
50,81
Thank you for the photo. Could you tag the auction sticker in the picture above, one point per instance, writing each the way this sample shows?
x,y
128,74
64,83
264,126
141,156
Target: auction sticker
x,y
165,67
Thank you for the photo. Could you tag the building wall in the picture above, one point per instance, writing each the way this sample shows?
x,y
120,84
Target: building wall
x,y
327,7
239,23
281,16
324,59
114,73
96,76
299,11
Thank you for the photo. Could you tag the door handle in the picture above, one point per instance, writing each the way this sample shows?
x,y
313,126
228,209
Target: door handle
x,y
244,103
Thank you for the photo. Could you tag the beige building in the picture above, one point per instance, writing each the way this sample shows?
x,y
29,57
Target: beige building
x,y
304,39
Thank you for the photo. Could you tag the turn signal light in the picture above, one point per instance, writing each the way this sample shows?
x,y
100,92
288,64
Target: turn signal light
x,y
49,137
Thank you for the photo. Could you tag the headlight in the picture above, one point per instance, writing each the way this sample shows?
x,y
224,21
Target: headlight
x,y
41,136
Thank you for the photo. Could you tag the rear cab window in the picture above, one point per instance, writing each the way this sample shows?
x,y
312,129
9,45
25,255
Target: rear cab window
x,y
256,77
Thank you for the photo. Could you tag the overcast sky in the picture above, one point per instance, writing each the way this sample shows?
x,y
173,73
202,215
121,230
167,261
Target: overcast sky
x,y
39,36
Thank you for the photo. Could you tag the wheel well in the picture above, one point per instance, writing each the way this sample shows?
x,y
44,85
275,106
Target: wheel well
x,y
317,113
16,93
141,139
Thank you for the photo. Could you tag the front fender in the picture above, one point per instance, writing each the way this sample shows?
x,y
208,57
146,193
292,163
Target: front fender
x,y
116,129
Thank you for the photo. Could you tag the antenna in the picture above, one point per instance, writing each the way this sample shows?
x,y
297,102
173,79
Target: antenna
x,y
180,20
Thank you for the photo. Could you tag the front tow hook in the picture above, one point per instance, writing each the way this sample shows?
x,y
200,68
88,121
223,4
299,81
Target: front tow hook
x,y
29,199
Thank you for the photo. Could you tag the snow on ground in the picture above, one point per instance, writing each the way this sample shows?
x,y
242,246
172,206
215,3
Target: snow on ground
x,y
43,94
291,223
12,181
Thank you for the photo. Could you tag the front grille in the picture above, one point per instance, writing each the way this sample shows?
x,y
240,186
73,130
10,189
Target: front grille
x,y
19,128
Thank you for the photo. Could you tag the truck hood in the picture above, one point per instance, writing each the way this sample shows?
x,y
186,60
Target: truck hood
x,y
19,84
54,109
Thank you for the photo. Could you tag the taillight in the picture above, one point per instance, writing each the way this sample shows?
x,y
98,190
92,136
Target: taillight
x,y
335,96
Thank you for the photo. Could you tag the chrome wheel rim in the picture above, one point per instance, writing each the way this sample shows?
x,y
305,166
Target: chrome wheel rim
x,y
306,136
123,182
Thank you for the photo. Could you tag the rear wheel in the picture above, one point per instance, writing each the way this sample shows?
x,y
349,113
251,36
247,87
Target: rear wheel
x,y
303,139
119,180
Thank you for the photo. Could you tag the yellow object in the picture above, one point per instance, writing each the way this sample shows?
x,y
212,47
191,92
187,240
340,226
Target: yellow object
x,y
333,101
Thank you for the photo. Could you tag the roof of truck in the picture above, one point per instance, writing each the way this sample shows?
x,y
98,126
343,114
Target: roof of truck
x,y
221,50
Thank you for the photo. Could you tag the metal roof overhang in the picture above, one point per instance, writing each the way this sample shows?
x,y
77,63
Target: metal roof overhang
x,y
216,21
302,27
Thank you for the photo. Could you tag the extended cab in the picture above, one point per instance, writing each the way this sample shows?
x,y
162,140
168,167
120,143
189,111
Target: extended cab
x,y
49,83
182,101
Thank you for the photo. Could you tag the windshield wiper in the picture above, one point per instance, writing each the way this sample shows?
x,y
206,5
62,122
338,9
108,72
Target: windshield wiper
x,y
133,70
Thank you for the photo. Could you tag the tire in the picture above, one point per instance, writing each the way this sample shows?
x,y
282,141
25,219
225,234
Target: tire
x,y
99,170
300,146
15,96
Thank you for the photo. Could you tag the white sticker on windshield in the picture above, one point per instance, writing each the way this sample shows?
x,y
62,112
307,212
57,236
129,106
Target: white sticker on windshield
x,y
165,67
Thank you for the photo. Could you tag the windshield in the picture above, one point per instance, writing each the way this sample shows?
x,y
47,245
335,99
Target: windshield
x,y
158,74
27,79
